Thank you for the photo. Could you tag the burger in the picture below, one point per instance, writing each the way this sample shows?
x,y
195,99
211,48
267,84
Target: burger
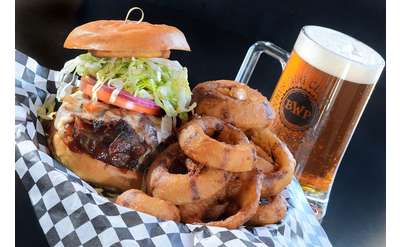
x,y
119,100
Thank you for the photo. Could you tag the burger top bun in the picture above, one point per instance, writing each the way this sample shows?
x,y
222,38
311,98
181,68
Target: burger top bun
x,y
117,38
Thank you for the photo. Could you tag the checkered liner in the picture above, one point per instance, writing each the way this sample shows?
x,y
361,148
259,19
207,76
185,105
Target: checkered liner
x,y
71,213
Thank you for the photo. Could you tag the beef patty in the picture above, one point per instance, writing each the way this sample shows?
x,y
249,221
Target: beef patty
x,y
113,142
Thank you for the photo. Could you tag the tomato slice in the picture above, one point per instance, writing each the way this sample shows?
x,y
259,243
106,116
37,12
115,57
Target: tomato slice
x,y
124,99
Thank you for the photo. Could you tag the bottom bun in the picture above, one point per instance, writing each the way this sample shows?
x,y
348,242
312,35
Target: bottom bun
x,y
95,171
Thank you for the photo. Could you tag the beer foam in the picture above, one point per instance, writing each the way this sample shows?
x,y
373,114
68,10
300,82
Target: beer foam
x,y
339,55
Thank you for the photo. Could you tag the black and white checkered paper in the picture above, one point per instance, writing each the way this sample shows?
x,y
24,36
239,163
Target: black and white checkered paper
x,y
72,213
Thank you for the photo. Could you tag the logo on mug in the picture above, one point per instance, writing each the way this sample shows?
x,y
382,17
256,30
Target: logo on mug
x,y
298,109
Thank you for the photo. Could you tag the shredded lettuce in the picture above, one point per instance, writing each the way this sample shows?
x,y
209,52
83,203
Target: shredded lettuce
x,y
159,79
46,110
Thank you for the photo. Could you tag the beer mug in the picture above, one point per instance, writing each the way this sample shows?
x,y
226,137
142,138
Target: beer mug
x,y
319,98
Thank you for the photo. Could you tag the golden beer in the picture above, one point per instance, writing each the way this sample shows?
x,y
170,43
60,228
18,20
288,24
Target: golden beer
x,y
317,115
319,100
325,84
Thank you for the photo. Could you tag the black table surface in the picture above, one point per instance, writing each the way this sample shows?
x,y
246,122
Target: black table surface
x,y
219,33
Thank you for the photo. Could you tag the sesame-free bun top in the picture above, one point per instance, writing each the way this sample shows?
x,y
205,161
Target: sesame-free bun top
x,y
117,38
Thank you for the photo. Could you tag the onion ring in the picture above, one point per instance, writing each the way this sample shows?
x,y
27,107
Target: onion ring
x,y
263,161
196,182
234,153
140,201
212,208
202,211
247,200
233,102
275,181
269,213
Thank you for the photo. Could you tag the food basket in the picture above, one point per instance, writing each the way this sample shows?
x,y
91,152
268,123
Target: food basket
x,y
72,213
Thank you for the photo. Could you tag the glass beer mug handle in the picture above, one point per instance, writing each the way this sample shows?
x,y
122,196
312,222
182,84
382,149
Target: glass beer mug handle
x,y
253,54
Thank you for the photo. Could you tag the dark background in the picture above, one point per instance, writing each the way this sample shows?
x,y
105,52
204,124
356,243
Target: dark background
x,y
219,33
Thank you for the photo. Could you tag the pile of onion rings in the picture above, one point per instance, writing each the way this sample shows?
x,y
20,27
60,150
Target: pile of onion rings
x,y
226,168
